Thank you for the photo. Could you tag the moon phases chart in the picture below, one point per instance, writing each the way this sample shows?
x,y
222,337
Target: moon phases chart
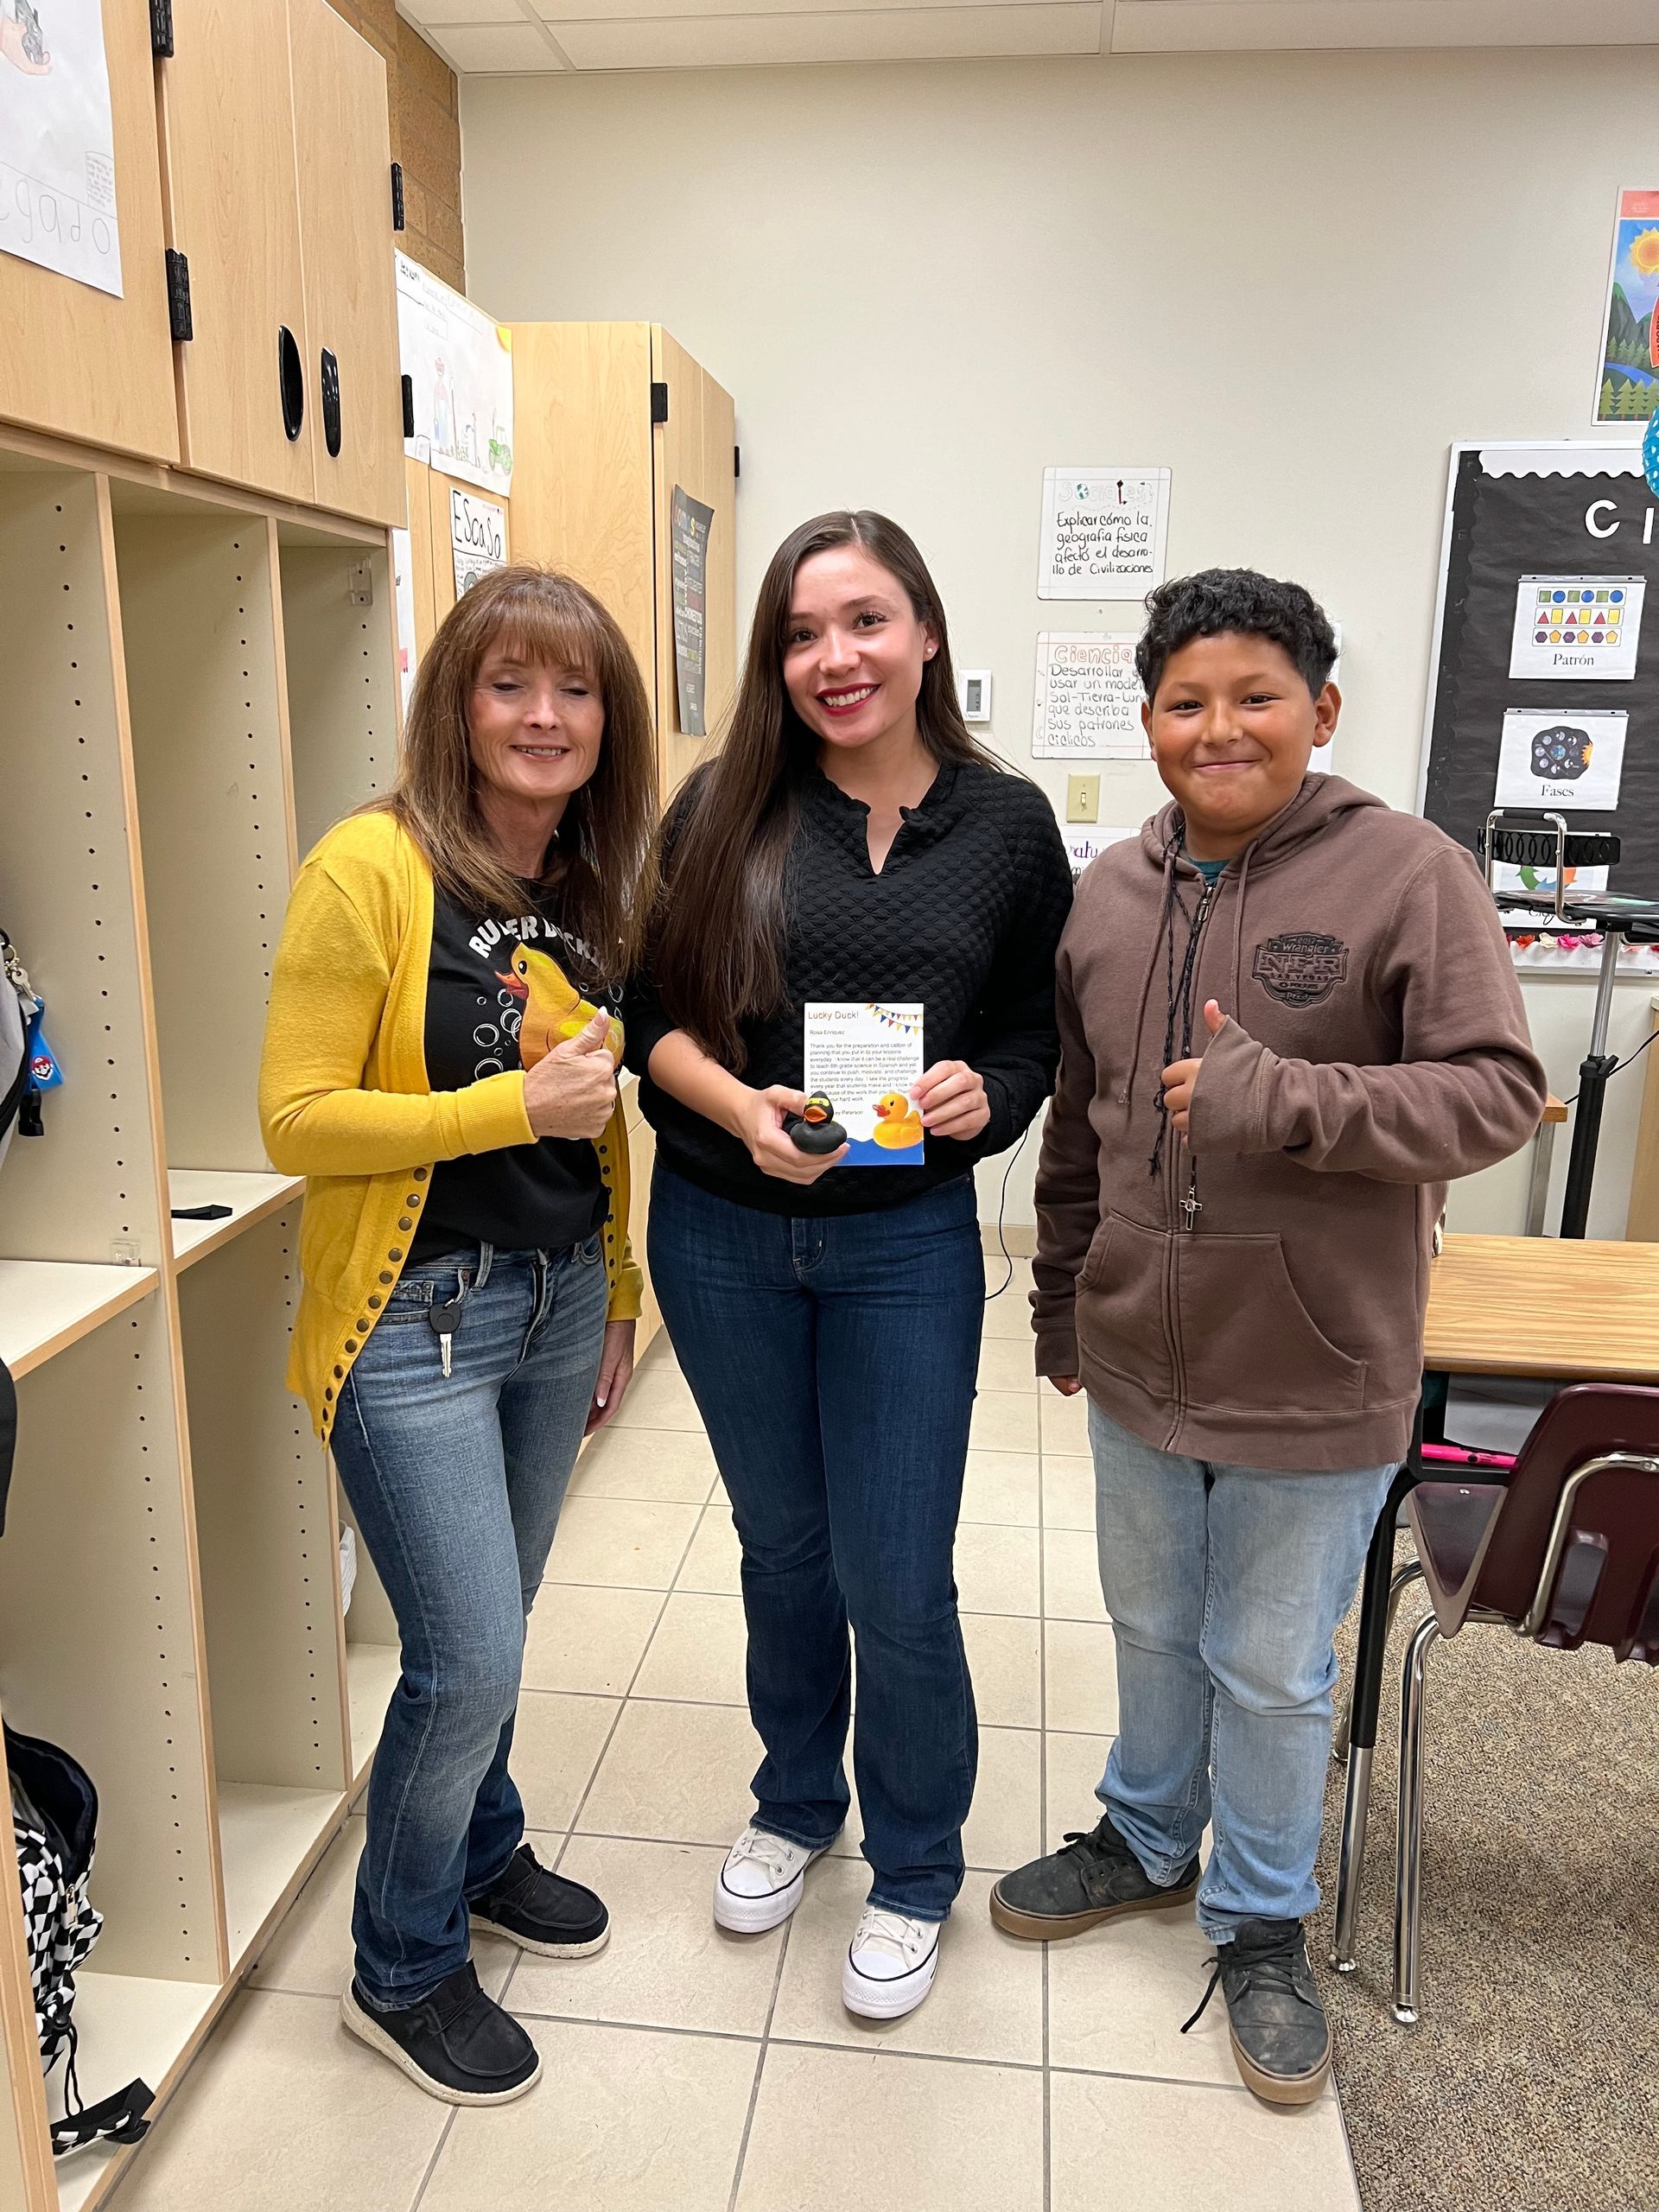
x,y
1565,761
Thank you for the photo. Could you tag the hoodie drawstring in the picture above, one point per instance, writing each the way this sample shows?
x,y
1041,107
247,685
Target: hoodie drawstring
x,y
1164,922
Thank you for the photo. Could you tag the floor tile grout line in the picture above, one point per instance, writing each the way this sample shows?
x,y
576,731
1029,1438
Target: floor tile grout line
x,y
432,2163
760,2065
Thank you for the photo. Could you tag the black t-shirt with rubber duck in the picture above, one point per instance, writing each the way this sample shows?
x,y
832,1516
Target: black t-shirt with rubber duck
x,y
498,995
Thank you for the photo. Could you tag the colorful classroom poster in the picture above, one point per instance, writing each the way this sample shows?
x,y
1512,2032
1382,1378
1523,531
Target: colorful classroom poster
x,y
863,1057
1104,533
57,142
1577,628
1088,697
1628,385
478,537
459,368
1563,762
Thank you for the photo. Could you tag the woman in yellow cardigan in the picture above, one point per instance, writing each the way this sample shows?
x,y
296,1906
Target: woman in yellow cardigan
x,y
437,1068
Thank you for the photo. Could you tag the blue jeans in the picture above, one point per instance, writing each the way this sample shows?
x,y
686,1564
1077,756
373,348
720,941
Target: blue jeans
x,y
834,1364
456,1483
1225,1585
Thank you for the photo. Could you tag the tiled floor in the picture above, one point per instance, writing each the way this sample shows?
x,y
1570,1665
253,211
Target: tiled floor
x,y
699,2072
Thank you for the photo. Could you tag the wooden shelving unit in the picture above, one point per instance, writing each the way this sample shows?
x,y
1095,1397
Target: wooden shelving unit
x,y
198,682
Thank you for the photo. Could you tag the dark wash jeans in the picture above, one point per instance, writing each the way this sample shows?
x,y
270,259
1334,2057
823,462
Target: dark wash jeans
x,y
456,1483
834,1364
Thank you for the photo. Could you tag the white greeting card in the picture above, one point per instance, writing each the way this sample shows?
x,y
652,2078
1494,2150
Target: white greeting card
x,y
864,1057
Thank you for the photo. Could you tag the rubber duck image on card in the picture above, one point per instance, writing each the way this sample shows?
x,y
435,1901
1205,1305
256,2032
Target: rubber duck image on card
x,y
865,1057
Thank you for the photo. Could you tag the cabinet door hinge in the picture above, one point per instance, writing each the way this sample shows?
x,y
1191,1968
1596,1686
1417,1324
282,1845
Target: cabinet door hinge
x,y
737,463
659,403
160,29
178,294
409,407
399,222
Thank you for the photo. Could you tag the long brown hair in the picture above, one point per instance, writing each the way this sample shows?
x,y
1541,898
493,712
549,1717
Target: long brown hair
x,y
601,852
717,939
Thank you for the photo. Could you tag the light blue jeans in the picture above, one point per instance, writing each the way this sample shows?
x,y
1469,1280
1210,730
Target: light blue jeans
x,y
1225,1585
456,1482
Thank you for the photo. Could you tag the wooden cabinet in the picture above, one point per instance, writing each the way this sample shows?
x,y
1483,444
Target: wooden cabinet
x,y
79,362
608,419
277,169
344,154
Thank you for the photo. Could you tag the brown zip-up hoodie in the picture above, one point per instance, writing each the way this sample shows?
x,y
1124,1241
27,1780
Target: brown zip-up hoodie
x,y
1376,1047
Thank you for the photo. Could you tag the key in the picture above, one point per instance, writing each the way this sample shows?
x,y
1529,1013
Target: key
x,y
443,1321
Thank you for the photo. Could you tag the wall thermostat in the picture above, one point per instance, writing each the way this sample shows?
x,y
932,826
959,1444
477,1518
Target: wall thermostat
x,y
973,692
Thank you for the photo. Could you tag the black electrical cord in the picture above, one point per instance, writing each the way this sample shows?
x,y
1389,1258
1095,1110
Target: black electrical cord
x,y
1619,1066
1001,1208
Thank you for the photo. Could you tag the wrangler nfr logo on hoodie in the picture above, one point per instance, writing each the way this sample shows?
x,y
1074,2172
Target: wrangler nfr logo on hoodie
x,y
1302,967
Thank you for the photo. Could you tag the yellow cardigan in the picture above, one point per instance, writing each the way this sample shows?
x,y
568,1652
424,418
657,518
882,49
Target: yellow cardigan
x,y
345,1101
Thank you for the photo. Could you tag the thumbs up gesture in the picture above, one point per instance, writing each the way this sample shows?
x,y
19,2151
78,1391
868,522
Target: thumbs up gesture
x,y
1181,1076
571,1091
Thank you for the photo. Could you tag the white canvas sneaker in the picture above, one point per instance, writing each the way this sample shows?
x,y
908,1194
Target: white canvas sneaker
x,y
890,1962
760,1884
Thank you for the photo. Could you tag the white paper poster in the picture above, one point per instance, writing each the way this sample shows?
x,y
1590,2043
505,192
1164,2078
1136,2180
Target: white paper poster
x,y
1088,697
459,366
57,141
1577,628
478,537
1086,841
403,583
1104,533
1561,761
1539,883
864,1057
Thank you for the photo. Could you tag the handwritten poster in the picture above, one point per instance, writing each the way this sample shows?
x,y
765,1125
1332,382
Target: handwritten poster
x,y
864,1057
1088,697
689,522
459,368
1104,533
478,537
57,142
1085,841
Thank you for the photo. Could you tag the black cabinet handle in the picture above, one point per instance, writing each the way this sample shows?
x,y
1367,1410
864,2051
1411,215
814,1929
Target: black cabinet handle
x,y
331,404
290,375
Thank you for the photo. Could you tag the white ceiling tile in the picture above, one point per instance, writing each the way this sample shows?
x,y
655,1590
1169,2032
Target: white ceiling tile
x,y
492,49
559,13
423,12
932,34
1208,26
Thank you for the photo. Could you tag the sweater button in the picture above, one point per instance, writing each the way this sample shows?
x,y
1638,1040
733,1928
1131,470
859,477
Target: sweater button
x,y
386,1275
351,1346
363,1328
396,1253
421,1174
375,1301
340,1373
406,1224
329,1392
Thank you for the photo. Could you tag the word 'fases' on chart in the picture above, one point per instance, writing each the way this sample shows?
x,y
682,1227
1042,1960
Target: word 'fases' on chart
x,y
1577,628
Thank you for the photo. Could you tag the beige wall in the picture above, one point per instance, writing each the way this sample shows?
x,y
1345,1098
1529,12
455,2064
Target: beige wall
x,y
425,135
1292,278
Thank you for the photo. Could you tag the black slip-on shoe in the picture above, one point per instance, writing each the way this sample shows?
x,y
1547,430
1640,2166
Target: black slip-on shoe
x,y
457,2045
1281,2039
1096,1877
541,1911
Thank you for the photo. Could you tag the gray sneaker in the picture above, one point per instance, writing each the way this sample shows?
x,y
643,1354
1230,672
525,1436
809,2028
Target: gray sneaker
x,y
1096,1877
1281,2039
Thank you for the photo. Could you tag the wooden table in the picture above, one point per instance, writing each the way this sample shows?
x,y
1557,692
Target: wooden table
x,y
1572,1309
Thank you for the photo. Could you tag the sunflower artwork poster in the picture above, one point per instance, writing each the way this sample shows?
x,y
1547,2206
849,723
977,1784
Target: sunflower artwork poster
x,y
1627,388
863,1057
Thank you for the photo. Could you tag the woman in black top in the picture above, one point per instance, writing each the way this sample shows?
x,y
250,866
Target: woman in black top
x,y
851,843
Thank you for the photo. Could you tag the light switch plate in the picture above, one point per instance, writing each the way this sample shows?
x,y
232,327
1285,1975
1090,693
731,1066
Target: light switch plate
x,y
1083,798
974,693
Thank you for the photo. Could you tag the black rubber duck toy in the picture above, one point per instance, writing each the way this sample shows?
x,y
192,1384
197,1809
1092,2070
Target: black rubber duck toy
x,y
817,1130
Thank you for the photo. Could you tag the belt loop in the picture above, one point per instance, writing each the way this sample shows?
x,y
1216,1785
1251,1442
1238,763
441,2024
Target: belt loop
x,y
486,1259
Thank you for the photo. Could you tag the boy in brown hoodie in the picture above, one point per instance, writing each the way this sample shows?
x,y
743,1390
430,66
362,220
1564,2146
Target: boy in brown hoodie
x,y
1288,1019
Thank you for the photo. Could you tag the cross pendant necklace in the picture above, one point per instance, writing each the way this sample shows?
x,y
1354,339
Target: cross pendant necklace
x,y
1192,1205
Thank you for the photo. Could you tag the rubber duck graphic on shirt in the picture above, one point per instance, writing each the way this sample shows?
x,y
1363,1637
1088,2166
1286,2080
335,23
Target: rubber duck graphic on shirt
x,y
553,1008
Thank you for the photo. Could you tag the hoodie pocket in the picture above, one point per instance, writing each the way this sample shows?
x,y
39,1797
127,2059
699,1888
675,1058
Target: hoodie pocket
x,y
1248,1345
1121,1306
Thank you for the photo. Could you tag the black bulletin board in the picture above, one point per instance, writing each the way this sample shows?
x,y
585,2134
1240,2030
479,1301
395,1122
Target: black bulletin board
x,y
1572,509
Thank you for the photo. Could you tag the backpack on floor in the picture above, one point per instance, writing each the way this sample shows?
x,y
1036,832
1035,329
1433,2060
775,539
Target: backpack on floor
x,y
54,1821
